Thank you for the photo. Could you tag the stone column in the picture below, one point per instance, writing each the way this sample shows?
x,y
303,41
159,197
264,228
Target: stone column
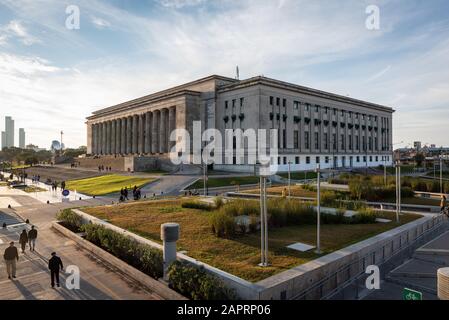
x,y
162,132
93,133
148,133
108,137
97,138
117,136
103,138
135,129
155,132
141,134
171,126
129,135
112,137
123,136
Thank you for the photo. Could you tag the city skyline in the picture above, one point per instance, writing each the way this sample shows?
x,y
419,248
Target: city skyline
x,y
127,50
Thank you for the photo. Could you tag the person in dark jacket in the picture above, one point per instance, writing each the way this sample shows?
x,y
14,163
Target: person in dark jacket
x,y
55,265
11,255
32,236
23,240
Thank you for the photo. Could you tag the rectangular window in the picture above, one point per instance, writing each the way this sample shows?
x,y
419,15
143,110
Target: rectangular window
x,y
364,158
308,160
284,102
342,113
317,160
358,159
307,107
364,143
342,141
357,142
377,158
271,100
279,160
226,104
334,141
233,104
326,159
296,139
335,111
284,139
326,110
285,160
241,101
296,105
278,101
296,160
326,144
317,141
317,108
350,142
306,140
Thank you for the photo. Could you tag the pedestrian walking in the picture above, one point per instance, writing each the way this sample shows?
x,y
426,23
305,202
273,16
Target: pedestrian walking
x,y
443,203
125,193
10,256
23,240
63,185
32,236
55,265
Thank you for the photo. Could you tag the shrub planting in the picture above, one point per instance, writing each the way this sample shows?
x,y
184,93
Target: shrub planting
x,y
197,205
195,283
142,257
223,225
70,220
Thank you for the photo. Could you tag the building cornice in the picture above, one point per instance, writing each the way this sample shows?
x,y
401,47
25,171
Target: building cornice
x,y
123,107
164,94
303,90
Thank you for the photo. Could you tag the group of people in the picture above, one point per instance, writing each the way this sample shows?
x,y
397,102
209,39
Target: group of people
x,y
103,168
11,257
124,193
36,178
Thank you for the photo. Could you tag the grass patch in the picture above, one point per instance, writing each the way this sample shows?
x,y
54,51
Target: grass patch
x,y
32,189
106,184
298,175
224,182
296,191
241,254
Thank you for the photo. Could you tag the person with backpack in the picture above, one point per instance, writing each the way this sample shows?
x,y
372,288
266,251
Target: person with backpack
x,y
443,203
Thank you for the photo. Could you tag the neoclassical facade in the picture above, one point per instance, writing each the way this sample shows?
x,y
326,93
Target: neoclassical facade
x,y
314,127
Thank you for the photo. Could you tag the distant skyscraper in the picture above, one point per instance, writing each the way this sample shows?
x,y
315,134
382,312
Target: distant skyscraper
x,y
9,132
22,138
3,139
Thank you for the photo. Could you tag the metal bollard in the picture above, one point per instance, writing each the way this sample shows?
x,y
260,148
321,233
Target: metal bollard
x,y
169,236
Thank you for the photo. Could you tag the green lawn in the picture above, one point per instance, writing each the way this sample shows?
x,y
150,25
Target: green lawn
x,y
106,184
240,255
297,175
32,189
224,182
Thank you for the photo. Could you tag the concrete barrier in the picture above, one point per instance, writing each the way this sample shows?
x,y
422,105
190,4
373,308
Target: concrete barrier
x,y
152,284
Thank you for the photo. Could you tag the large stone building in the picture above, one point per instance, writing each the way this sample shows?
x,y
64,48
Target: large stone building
x,y
313,126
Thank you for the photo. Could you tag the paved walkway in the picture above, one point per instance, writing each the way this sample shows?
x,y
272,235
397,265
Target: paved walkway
x,y
419,273
98,279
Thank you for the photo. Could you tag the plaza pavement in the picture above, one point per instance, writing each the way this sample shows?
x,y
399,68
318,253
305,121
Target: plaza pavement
x,y
99,281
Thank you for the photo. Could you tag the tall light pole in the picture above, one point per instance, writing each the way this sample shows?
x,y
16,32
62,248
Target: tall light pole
x,y
289,180
398,191
62,133
318,211
441,173
264,172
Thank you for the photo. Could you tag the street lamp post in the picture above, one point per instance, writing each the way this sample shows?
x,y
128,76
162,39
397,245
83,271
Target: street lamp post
x,y
318,209
264,173
289,180
398,191
441,174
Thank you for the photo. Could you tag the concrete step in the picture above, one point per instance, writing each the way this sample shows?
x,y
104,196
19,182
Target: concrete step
x,y
416,269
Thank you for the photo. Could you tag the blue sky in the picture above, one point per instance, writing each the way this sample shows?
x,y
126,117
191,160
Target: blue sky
x,y
52,78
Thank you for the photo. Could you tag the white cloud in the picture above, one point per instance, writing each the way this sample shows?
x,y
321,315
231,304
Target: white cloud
x,y
100,23
180,3
18,30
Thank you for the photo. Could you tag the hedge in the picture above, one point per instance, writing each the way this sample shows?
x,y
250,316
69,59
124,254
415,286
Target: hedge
x,y
195,283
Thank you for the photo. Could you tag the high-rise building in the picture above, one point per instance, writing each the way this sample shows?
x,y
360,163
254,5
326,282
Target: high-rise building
x,y
9,132
3,139
22,138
